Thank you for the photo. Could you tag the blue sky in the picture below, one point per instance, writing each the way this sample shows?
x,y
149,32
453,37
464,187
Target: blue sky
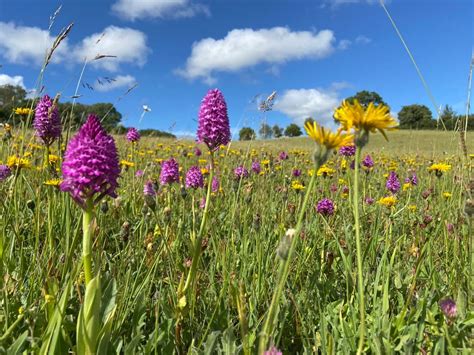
x,y
313,53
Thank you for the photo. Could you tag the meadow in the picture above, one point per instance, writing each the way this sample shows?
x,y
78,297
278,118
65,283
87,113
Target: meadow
x,y
416,244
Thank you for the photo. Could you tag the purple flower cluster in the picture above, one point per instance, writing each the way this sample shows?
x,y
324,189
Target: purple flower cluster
x,y
197,152
91,164
347,150
283,155
215,184
448,306
296,172
240,172
194,178
272,351
47,122
393,184
367,162
369,200
213,127
148,189
256,168
5,172
325,207
169,172
412,180
133,135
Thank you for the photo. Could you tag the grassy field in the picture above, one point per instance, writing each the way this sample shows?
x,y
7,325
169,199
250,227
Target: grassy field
x,y
416,254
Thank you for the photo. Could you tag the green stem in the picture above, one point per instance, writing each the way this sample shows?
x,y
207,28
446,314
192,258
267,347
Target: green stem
x,y
197,243
87,217
283,271
360,280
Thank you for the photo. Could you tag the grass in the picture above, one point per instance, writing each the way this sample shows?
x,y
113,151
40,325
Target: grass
x,y
414,255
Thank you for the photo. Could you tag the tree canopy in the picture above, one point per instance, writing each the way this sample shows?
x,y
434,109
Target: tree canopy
x,y
293,130
246,134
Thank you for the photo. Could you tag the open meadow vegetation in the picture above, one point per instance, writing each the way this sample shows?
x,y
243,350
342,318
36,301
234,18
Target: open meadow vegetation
x,y
350,234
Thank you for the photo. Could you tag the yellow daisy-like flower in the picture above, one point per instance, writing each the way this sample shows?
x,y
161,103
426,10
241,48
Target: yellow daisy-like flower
x,y
412,208
23,111
326,137
127,164
388,201
53,182
297,186
370,119
325,171
447,195
439,168
18,163
406,186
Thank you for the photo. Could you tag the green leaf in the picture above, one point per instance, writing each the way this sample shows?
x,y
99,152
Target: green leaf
x,y
17,346
89,321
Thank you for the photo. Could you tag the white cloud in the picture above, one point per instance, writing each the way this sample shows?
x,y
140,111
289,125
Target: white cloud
x,y
138,9
344,44
336,3
243,48
120,81
299,104
23,45
128,45
361,39
16,80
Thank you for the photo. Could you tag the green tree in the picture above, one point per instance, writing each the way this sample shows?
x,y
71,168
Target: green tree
x,y
293,130
11,96
416,117
265,131
366,97
246,134
449,117
277,131
77,115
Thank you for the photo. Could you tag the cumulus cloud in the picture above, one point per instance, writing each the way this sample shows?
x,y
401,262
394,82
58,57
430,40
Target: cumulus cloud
x,y
362,39
23,44
128,45
300,104
16,80
244,48
139,9
120,81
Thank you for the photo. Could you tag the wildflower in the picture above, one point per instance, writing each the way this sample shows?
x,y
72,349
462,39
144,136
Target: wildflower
x,y
369,200
412,180
139,173
215,184
345,191
388,201
324,137
406,186
197,152
368,162
296,172
325,171
240,172
169,172
370,119
5,172
213,127
273,351
439,168
133,135
450,228
393,184
325,207
194,178
23,111
347,150
47,122
447,195
297,186
148,189
15,162
90,163
283,155
53,182
126,164
256,168
202,203
448,307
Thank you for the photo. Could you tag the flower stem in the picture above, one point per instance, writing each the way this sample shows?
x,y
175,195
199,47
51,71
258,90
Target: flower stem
x,y
360,281
197,243
283,272
87,217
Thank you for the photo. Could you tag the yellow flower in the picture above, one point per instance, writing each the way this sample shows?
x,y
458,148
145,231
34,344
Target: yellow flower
x,y
388,201
447,195
265,162
325,171
353,115
412,208
202,161
53,159
126,163
439,168
18,163
343,164
324,136
297,186
23,111
204,171
406,186
53,182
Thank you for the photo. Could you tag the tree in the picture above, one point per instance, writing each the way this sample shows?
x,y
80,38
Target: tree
x,y
76,116
449,117
366,97
246,134
277,131
11,96
416,117
265,131
293,130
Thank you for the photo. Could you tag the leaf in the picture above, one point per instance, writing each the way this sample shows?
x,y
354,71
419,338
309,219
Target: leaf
x,y
210,343
89,320
16,347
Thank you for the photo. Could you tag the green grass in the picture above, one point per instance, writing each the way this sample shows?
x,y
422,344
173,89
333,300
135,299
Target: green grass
x,y
411,260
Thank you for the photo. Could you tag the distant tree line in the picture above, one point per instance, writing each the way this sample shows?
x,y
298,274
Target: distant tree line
x,y
410,117
12,96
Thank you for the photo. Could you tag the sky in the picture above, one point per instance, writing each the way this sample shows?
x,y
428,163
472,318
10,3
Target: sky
x,y
313,53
